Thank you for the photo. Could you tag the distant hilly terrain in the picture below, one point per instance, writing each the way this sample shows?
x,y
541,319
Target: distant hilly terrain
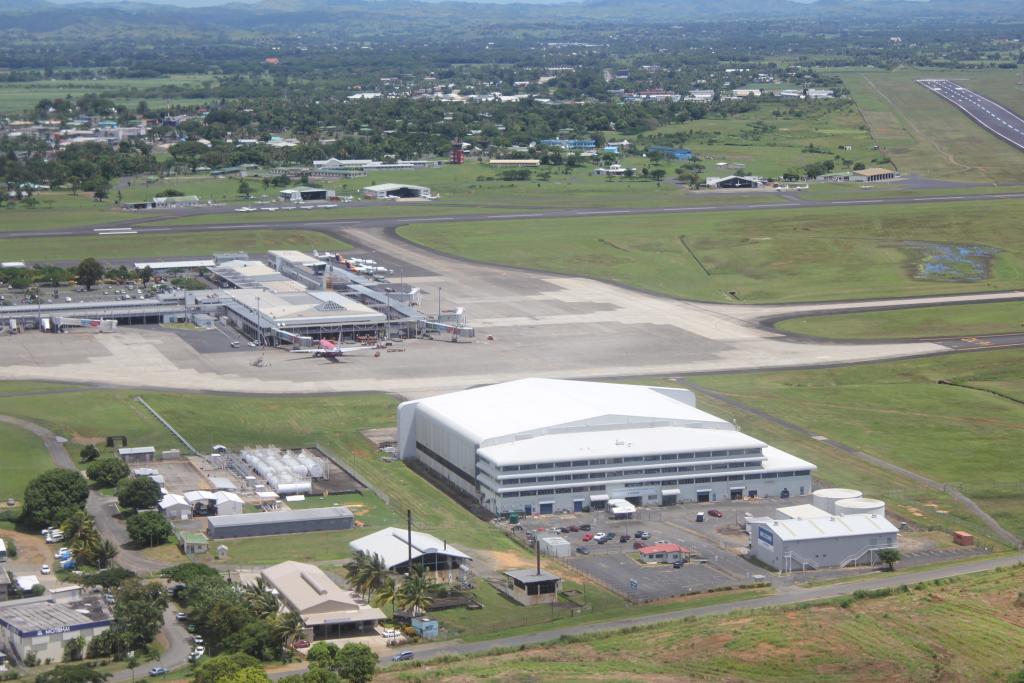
x,y
54,15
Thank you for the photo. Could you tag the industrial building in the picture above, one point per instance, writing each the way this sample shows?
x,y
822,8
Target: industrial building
x,y
175,506
392,545
397,191
286,472
679,153
42,625
543,445
833,541
280,522
327,610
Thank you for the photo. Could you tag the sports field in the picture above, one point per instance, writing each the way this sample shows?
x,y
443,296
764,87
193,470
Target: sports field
x,y
15,98
777,256
769,140
932,321
927,136
965,629
153,245
963,432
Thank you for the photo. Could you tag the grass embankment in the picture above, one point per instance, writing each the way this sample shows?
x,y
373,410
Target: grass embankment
x,y
22,457
925,135
932,321
770,256
966,629
898,411
157,245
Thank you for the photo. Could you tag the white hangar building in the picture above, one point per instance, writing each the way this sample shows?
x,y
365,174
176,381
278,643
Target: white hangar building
x,y
543,445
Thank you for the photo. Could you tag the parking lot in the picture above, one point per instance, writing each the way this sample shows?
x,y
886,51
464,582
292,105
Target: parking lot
x,y
716,544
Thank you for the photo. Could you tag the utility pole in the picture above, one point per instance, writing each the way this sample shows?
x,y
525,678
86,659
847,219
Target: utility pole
x,y
408,527
439,303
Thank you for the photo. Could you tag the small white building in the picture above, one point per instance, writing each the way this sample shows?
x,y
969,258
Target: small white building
x,y
174,506
555,546
615,170
228,503
798,544
137,454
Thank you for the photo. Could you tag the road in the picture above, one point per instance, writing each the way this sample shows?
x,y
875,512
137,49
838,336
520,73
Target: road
x,y
992,116
175,654
338,220
790,595
103,508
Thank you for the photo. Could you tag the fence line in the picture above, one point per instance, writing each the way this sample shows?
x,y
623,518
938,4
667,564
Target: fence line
x,y
167,424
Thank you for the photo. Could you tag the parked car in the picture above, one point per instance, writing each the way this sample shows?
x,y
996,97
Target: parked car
x,y
574,528
199,651
583,550
715,513
639,544
300,644
588,536
181,616
157,671
624,538
584,527
403,656
600,536
45,569
563,530
637,534
677,564
197,640
645,535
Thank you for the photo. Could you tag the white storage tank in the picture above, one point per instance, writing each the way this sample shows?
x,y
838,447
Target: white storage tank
x,y
860,506
826,498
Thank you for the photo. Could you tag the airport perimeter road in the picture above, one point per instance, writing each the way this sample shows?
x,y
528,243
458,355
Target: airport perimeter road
x,y
336,219
990,115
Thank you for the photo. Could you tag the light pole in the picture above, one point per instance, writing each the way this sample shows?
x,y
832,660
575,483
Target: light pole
x,y
439,303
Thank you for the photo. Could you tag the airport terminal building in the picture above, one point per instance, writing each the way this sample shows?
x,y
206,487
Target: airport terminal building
x,y
543,446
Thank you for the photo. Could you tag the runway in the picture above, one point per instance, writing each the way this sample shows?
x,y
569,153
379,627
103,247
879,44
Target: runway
x,y
990,115
148,225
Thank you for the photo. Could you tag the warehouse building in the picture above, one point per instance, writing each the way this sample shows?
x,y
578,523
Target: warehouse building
x,y
542,446
280,522
326,609
803,543
42,625
308,194
392,545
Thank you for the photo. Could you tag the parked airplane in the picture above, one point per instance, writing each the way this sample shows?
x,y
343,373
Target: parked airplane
x,y
328,349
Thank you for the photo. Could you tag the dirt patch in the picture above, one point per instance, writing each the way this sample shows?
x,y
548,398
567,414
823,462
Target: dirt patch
x,y
85,440
498,560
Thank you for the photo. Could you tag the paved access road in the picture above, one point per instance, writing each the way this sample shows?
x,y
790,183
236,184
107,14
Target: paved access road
x,y
990,115
988,341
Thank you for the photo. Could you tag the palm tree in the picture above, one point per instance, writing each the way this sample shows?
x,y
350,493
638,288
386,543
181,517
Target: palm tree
x,y
388,593
260,599
104,552
288,627
366,573
81,534
355,571
417,592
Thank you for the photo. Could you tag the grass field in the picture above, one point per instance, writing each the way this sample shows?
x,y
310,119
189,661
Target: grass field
x,y
759,143
781,255
152,245
932,321
333,422
926,135
959,630
15,98
22,457
960,435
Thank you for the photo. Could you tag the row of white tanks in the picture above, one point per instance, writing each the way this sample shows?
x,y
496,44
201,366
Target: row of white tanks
x,y
288,473
846,502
